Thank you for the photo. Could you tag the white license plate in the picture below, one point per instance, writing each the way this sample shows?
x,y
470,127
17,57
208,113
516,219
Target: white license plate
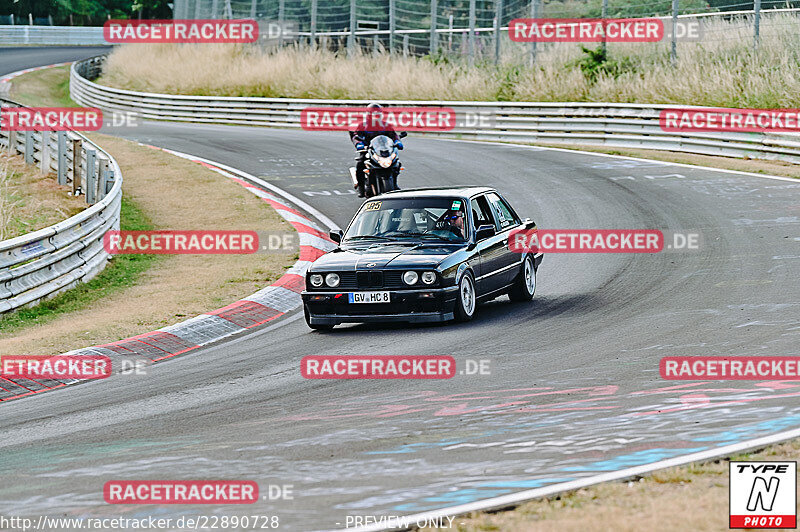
x,y
368,297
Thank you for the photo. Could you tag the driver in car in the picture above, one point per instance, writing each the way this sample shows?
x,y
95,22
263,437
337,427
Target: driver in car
x,y
455,222
372,126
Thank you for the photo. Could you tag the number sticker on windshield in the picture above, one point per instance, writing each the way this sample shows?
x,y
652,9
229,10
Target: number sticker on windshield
x,y
374,206
455,206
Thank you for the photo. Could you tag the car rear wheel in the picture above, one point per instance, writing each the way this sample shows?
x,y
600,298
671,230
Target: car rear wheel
x,y
315,326
525,285
466,300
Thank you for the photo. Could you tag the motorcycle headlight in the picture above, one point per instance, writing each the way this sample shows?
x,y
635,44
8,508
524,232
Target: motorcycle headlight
x,y
385,162
428,277
316,280
332,280
410,277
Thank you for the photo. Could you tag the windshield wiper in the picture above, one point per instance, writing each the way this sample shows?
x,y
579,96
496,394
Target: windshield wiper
x,y
413,234
365,237
431,236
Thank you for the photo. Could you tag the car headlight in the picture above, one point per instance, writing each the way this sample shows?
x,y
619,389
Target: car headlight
x,y
428,277
410,277
332,280
316,280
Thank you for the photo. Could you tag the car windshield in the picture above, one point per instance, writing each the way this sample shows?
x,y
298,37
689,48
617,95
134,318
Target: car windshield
x,y
410,219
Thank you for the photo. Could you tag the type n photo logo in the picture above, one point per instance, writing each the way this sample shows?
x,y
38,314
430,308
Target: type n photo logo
x,y
763,495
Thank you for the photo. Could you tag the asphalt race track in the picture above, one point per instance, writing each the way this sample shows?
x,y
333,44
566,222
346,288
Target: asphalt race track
x,y
574,387
13,58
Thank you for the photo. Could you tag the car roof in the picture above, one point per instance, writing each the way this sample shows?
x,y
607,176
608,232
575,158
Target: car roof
x,y
462,191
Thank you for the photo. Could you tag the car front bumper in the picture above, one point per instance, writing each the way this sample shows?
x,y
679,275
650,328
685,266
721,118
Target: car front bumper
x,y
414,306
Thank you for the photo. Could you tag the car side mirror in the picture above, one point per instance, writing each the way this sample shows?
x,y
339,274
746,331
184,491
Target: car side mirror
x,y
336,235
403,134
484,231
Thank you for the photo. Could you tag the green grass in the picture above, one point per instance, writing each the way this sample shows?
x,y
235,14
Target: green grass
x,y
122,272
43,88
50,88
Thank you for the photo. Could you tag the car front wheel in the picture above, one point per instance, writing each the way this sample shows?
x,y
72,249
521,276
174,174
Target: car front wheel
x,y
525,285
466,300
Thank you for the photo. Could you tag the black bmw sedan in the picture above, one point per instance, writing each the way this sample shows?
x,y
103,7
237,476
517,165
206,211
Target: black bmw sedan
x,y
421,255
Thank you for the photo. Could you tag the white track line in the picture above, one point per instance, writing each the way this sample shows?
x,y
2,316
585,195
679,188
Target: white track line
x,y
612,156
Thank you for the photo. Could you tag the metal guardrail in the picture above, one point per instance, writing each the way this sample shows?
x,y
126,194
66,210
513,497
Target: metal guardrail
x,y
53,35
597,124
40,264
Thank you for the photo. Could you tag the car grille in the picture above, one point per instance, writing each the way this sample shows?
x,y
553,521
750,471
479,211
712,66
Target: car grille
x,y
368,280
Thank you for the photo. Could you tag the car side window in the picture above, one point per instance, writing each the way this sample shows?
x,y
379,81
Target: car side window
x,y
505,216
481,212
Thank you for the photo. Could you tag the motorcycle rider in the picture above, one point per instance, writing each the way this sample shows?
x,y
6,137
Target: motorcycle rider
x,y
372,126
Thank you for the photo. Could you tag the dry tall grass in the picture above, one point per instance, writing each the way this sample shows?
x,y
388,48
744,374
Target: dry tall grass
x,y
7,205
723,69
30,200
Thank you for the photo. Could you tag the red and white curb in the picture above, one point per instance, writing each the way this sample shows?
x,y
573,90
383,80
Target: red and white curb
x,y
266,305
5,81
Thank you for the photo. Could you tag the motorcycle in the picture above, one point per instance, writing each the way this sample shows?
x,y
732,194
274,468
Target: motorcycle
x,y
381,166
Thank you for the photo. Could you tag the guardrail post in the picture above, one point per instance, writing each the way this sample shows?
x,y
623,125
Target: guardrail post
x,y
405,45
12,140
104,171
91,177
45,153
76,167
471,36
313,22
756,24
109,182
450,33
281,17
498,14
534,14
674,52
604,15
351,39
433,28
28,147
213,9
375,44
252,8
62,158
391,26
